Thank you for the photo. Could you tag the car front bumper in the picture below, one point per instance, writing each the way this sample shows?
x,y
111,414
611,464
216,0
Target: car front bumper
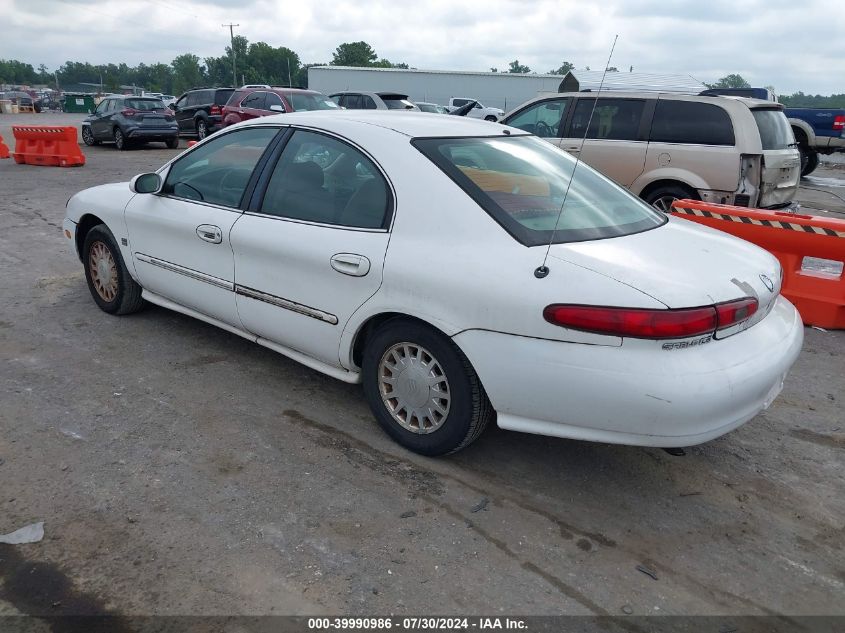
x,y
638,393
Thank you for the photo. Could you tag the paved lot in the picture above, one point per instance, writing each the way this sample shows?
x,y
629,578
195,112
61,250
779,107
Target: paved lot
x,y
182,470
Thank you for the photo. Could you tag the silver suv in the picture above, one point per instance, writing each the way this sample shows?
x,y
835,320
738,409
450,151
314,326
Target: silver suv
x,y
666,146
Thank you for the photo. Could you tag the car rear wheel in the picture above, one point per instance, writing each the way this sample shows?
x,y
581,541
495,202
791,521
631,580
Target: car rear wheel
x,y
173,143
422,389
110,283
120,141
663,197
202,129
88,136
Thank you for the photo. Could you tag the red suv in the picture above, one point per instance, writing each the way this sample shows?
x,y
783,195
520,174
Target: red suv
x,y
250,103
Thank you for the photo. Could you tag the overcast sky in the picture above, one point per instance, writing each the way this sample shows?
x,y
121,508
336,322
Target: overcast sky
x,y
790,44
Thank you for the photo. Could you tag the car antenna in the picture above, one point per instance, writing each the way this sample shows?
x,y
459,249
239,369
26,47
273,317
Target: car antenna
x,y
543,270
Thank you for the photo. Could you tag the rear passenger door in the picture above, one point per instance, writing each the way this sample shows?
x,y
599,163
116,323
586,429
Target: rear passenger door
x,y
610,136
693,142
309,250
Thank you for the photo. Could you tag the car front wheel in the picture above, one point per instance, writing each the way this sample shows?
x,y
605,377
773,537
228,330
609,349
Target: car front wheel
x,y
110,283
88,136
422,389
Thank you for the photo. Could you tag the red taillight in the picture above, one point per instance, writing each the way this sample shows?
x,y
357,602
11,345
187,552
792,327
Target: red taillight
x,y
215,109
129,112
633,322
651,324
839,122
734,312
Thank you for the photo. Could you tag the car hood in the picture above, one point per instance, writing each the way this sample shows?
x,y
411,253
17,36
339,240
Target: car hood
x,y
681,264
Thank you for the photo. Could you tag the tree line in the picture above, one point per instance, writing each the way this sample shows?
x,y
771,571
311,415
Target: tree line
x,y
260,62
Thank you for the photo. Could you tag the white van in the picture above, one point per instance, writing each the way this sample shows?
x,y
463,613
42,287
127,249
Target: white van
x,y
663,147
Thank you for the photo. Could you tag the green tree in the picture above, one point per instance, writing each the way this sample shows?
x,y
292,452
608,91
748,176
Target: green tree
x,y
517,68
187,72
354,54
730,81
564,68
273,66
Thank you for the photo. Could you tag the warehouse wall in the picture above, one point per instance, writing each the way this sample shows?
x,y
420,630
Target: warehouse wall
x,y
499,90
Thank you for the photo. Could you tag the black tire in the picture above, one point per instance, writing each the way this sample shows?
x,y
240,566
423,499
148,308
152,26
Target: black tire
x,y
88,136
469,408
490,117
173,143
809,160
662,197
127,297
202,128
120,140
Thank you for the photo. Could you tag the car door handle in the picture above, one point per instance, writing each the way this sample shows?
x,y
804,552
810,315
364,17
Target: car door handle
x,y
351,264
210,233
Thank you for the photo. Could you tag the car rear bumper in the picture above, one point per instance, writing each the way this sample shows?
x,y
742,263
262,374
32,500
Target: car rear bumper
x,y
639,393
152,134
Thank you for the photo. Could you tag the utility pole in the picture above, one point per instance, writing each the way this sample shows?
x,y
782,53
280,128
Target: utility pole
x,y
232,40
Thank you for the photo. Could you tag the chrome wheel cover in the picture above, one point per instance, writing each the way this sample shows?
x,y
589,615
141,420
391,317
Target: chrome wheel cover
x,y
103,270
414,388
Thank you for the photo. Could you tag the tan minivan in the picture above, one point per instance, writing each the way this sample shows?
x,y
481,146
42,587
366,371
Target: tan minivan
x,y
667,146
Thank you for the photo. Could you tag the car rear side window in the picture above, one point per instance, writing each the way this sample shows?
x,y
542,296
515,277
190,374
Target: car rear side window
x,y
692,123
218,171
397,103
324,180
775,131
612,119
536,192
254,101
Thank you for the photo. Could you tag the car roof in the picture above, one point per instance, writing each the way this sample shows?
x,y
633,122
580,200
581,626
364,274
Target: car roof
x,y
407,123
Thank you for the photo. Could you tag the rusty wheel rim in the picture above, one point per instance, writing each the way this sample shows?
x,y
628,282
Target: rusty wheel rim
x,y
103,270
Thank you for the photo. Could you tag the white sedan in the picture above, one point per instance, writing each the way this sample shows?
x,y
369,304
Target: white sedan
x,y
461,272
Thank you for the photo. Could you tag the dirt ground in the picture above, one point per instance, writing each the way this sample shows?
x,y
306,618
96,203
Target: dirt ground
x,y
180,469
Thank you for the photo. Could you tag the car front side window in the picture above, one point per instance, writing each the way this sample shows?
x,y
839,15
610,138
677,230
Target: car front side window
x,y
542,119
324,180
218,171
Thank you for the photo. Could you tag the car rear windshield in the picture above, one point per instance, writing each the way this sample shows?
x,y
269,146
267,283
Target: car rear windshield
x,y
144,104
222,96
775,132
522,182
236,97
397,102
301,101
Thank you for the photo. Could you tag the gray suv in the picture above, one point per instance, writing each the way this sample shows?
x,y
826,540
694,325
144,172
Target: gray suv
x,y
126,120
662,147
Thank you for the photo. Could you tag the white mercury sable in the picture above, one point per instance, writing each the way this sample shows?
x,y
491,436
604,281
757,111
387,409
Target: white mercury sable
x,y
402,251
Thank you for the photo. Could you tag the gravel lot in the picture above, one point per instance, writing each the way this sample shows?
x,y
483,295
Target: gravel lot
x,y
182,470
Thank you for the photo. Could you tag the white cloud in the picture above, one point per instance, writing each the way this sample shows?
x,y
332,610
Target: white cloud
x,y
791,45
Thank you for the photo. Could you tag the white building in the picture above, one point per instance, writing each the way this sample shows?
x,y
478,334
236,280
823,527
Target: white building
x,y
498,90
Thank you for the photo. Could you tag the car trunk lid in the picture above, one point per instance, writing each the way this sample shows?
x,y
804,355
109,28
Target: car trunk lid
x,y
683,265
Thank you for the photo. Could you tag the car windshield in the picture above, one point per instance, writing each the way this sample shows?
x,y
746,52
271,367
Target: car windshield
x,y
301,101
522,182
775,132
144,104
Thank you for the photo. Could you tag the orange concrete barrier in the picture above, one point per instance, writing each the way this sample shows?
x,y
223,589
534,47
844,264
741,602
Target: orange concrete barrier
x,y
4,149
47,145
819,296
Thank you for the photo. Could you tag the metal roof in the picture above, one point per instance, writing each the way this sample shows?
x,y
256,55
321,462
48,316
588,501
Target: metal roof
x,y
576,80
432,72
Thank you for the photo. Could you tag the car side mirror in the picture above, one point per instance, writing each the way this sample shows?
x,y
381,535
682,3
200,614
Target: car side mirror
x,y
277,108
146,183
